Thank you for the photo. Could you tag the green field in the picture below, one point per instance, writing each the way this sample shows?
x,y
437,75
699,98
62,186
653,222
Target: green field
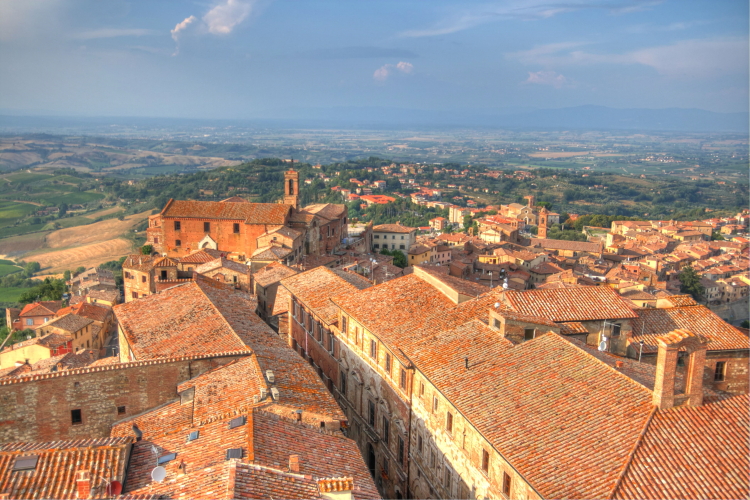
x,y
10,211
11,294
69,198
6,269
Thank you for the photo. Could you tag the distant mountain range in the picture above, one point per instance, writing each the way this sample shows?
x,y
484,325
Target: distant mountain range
x,y
574,118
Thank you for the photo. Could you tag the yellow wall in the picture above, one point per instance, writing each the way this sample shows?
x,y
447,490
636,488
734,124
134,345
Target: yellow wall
x,y
32,352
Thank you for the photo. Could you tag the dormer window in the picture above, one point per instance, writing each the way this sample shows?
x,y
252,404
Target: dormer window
x,y
529,333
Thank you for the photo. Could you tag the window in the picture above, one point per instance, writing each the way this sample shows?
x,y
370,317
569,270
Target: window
x,y
448,478
432,458
402,382
388,363
719,371
402,237
377,245
449,421
143,279
26,463
386,466
343,324
419,444
400,450
528,333
377,236
386,430
343,383
371,413
421,389
616,330
236,227
177,243
75,417
496,323
127,275
206,227
29,321
393,237
485,461
330,341
435,404
134,295
401,247
177,225
507,481
234,453
373,349
156,240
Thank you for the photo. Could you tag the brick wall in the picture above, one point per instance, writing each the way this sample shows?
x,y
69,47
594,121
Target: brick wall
x,y
39,408
222,232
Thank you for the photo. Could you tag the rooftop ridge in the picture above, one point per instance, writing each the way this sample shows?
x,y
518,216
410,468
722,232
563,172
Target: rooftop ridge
x,y
629,460
120,366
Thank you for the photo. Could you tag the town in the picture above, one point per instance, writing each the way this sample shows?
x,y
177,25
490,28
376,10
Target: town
x,y
286,349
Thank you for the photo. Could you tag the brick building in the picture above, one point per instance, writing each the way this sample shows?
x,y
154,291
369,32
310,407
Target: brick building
x,y
32,315
240,228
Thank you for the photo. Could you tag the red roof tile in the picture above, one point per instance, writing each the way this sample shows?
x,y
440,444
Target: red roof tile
x,y
251,213
571,304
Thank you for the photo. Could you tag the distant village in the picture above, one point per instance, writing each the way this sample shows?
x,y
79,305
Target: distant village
x,y
274,350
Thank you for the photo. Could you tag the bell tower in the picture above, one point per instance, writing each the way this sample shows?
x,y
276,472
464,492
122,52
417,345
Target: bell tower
x,y
542,226
291,188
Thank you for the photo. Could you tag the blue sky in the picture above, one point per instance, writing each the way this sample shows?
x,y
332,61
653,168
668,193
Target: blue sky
x,y
266,58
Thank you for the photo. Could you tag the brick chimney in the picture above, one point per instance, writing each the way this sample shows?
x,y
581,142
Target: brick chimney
x,y
293,463
666,368
83,483
336,488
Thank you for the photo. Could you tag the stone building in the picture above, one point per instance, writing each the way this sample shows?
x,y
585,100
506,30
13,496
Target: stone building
x,y
393,237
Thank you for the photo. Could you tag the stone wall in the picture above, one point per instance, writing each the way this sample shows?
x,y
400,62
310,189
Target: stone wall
x,y
39,408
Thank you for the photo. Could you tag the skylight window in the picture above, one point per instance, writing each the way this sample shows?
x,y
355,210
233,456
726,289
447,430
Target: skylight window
x,y
234,453
236,422
26,463
166,458
193,436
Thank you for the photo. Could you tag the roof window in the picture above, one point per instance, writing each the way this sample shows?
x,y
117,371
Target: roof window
x,y
26,463
193,435
234,453
236,422
166,458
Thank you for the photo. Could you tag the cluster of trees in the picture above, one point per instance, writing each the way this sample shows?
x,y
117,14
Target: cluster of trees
x,y
49,289
399,258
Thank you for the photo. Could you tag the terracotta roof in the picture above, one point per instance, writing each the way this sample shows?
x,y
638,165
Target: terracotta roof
x,y
315,288
546,268
69,323
562,411
273,273
138,262
462,286
91,311
201,256
571,304
55,472
108,295
41,308
576,246
51,340
200,316
572,328
393,228
251,213
225,263
281,304
271,253
165,262
637,294
328,211
652,323
692,453
682,300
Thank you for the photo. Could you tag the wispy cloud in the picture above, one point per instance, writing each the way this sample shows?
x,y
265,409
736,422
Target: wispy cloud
x,y
382,73
551,78
699,58
523,10
357,53
221,19
651,28
112,33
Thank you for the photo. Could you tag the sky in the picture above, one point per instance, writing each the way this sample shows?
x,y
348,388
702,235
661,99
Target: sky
x,y
265,58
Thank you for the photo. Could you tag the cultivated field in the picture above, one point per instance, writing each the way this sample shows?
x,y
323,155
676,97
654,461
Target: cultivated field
x,y
85,255
93,233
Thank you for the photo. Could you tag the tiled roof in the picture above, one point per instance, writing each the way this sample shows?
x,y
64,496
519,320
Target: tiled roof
x,y
55,473
108,295
536,404
462,286
165,262
273,273
69,323
200,316
271,253
251,213
51,340
222,262
201,256
138,262
41,308
571,304
692,453
638,295
576,246
682,300
393,228
652,323
266,440
328,211
290,233
91,311
314,289
281,304
572,328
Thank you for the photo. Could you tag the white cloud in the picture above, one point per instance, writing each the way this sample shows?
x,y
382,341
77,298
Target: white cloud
x,y
382,73
547,78
523,10
178,29
222,19
701,58
112,33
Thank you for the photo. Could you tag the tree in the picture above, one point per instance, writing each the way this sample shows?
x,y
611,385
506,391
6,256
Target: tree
x,y
467,221
80,269
690,282
66,275
147,249
31,268
717,237
49,289
399,259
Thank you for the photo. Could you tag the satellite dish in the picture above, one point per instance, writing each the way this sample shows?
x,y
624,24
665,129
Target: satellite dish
x,y
114,488
603,345
497,304
158,474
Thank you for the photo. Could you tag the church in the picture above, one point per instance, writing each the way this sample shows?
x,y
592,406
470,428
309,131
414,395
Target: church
x,y
256,233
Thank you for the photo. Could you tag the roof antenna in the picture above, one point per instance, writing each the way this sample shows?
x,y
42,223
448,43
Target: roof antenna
x,y
466,360
138,433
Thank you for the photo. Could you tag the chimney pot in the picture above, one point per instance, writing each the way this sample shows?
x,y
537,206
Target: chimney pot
x,y
618,364
293,463
83,483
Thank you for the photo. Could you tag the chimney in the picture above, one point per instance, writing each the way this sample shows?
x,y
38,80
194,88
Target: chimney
x,y
618,364
666,367
294,463
83,483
